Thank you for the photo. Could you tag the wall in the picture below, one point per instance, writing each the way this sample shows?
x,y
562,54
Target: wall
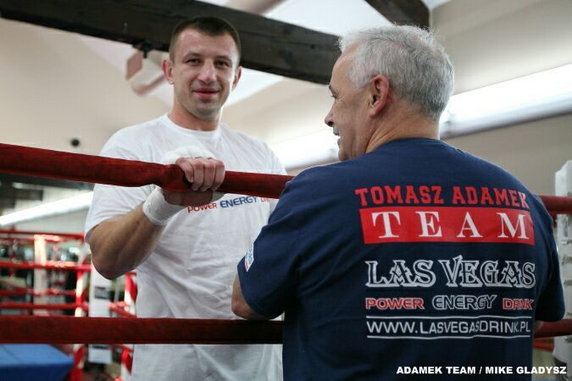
x,y
53,88
533,151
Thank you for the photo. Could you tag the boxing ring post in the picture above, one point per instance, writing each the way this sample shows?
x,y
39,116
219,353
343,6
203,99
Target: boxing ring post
x,y
563,187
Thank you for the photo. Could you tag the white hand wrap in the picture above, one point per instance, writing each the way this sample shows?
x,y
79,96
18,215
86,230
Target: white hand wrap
x,y
155,207
158,210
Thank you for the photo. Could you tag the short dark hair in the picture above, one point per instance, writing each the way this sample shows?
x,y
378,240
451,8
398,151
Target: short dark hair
x,y
212,26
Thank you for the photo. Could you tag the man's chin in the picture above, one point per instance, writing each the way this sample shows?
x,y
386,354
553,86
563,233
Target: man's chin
x,y
207,113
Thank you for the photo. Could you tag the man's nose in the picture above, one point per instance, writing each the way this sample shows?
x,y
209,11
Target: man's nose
x,y
329,120
208,72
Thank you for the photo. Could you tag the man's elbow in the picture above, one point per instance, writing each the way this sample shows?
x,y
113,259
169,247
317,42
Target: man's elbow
x,y
237,309
106,270
101,260
241,309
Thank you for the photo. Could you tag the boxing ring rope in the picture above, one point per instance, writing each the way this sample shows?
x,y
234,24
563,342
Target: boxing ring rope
x,y
43,306
50,265
21,291
8,234
130,173
559,328
94,330
96,169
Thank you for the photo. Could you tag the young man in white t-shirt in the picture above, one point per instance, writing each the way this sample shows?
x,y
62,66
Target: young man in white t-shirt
x,y
185,246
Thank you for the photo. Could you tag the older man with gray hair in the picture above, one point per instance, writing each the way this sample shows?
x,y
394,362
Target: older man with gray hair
x,y
409,259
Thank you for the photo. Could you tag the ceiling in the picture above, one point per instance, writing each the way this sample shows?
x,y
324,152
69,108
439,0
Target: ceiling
x,y
333,20
57,86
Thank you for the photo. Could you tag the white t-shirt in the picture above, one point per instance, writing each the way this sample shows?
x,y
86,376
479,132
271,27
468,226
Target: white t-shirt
x,y
190,272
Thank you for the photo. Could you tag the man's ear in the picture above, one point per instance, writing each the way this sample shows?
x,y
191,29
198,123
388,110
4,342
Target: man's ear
x,y
378,94
237,75
167,66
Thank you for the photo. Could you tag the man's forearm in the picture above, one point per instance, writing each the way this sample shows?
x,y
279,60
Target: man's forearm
x,y
121,243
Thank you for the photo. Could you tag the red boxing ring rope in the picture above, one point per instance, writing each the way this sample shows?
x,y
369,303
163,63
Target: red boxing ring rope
x,y
21,291
42,306
7,234
103,170
86,330
49,265
559,328
130,173
557,204
96,169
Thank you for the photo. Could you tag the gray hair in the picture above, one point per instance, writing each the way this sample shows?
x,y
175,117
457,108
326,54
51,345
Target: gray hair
x,y
417,67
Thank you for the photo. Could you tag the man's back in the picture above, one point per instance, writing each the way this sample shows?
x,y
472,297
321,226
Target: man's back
x,y
412,258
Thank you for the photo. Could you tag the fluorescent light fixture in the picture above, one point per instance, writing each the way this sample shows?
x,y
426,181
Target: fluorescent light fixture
x,y
522,99
49,209
535,96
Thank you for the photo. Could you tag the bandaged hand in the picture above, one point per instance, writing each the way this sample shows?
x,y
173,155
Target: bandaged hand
x,y
204,173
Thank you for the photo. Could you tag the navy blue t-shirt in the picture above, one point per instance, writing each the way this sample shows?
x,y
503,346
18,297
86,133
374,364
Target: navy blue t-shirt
x,y
412,258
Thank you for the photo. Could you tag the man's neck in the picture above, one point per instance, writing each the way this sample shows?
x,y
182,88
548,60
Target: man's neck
x,y
191,122
402,125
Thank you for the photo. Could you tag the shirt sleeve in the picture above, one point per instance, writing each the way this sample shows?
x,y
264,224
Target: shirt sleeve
x,y
269,272
109,200
550,304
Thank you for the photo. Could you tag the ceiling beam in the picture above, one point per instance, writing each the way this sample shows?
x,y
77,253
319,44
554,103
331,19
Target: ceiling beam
x,y
267,45
409,12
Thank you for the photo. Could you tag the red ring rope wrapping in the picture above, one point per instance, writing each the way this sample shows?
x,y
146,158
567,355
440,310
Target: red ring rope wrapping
x,y
130,173
21,291
49,265
92,330
559,328
83,330
96,169
7,234
43,306
557,204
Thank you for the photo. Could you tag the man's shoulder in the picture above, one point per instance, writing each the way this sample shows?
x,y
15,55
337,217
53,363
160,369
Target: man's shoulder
x,y
252,148
327,177
138,129
240,136
133,142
